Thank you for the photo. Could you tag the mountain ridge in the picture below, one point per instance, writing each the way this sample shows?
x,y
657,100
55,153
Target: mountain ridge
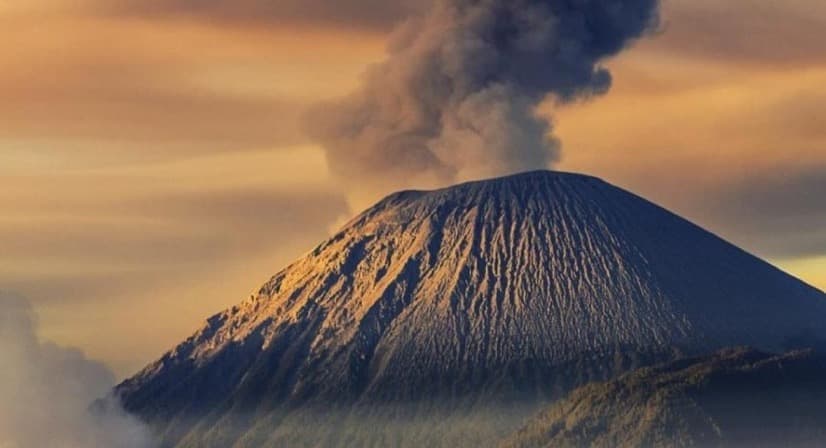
x,y
734,398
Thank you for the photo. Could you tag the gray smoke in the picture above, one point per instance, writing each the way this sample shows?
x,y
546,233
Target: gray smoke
x,y
456,97
46,392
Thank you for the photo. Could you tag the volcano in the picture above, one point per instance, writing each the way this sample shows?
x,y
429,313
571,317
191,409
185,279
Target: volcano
x,y
447,317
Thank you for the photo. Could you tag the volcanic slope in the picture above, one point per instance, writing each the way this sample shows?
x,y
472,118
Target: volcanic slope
x,y
449,316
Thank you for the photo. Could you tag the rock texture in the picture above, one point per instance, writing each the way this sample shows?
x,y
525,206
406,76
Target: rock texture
x,y
443,316
736,398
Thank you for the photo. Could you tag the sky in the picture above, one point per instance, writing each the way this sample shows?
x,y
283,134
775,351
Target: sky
x,y
155,169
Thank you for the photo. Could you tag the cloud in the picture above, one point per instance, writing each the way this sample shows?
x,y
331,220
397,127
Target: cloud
x,y
757,33
175,228
134,103
127,85
362,14
779,214
48,392
115,247
455,98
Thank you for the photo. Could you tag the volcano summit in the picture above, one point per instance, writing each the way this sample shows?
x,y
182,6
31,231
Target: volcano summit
x,y
447,317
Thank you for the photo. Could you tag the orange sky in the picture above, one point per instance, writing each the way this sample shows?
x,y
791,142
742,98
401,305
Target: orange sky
x,y
154,170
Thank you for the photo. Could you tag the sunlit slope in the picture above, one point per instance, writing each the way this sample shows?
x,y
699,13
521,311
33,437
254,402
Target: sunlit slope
x,y
432,312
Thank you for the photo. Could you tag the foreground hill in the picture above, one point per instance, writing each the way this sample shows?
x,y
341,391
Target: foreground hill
x,y
448,316
736,398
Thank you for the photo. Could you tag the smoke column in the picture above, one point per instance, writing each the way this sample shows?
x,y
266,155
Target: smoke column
x,y
456,96
46,392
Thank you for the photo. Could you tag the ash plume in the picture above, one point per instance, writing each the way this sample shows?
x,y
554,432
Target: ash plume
x,y
456,96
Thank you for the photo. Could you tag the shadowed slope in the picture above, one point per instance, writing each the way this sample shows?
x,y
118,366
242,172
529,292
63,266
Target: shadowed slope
x,y
458,302
736,398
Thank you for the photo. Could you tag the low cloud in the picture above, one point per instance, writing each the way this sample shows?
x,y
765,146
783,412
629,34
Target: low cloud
x,y
48,392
